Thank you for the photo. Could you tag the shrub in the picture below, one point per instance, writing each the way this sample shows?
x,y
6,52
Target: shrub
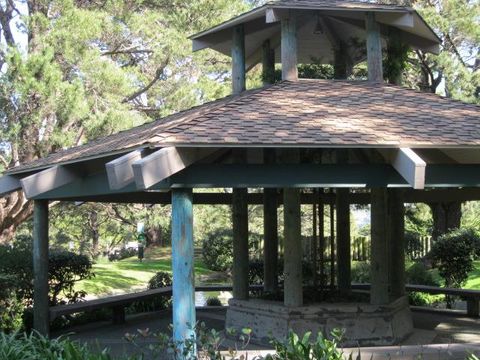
x,y
413,244
121,254
36,347
418,274
217,250
453,255
11,308
160,280
421,299
256,274
361,272
214,301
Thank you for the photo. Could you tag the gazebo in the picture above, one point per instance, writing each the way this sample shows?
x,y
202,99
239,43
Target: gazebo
x,y
400,144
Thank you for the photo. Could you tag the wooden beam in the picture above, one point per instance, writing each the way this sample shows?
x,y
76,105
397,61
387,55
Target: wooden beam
x,y
238,59
47,180
410,166
9,184
164,163
374,49
463,156
120,171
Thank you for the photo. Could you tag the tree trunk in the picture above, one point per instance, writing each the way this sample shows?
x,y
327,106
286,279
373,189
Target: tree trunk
x,y
446,216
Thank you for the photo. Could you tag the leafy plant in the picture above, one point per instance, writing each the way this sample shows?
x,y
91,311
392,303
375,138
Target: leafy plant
x,y
361,272
160,280
418,274
217,250
11,309
214,301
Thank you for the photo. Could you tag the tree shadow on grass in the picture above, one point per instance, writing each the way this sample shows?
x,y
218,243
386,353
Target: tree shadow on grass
x,y
108,281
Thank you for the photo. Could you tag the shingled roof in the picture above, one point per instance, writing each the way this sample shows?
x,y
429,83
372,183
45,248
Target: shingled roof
x,y
307,113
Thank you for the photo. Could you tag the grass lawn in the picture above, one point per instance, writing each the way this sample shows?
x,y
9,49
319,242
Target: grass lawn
x,y
130,274
474,278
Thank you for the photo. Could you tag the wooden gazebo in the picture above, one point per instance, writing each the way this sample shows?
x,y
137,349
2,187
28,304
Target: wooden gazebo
x,y
401,144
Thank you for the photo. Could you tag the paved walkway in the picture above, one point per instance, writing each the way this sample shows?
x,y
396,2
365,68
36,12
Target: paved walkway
x,y
437,335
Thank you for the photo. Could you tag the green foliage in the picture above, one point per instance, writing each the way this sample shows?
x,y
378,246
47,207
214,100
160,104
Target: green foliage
x,y
421,299
20,346
217,250
11,309
214,301
418,274
361,272
296,348
123,253
413,244
160,280
453,254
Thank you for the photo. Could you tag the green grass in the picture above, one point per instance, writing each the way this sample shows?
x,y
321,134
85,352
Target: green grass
x,y
474,278
130,274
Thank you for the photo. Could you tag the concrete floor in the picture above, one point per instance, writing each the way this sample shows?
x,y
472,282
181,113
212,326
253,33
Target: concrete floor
x,y
437,335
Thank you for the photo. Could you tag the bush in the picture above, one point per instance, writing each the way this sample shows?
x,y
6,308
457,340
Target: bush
x,y
217,250
121,254
453,255
361,272
413,244
421,299
256,274
214,301
418,274
36,347
160,280
11,309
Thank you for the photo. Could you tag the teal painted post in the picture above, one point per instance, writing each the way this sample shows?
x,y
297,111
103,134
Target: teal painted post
x,y
374,49
238,60
183,266
289,48
268,63
40,267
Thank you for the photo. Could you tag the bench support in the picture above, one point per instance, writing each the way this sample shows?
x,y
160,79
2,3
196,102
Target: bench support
x,y
183,266
473,308
118,315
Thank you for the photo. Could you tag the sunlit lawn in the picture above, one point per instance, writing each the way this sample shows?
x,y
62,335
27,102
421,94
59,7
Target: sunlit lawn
x,y
474,278
130,274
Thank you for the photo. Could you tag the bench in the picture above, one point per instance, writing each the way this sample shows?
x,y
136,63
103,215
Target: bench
x,y
118,302
472,297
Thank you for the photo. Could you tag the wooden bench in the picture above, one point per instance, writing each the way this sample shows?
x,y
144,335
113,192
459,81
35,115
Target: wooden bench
x,y
118,302
472,297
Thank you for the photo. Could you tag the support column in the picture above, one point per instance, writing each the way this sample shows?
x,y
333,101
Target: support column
x,y
293,287
374,49
240,244
379,253
343,241
40,267
268,64
270,231
183,290
238,60
289,48
396,213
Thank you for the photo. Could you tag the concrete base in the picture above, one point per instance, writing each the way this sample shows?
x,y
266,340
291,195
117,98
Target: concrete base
x,y
364,324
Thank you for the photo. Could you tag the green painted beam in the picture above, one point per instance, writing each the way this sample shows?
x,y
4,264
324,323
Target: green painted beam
x,y
273,176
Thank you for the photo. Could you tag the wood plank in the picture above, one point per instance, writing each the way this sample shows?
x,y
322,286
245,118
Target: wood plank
x,y
410,166
9,184
164,163
120,171
47,180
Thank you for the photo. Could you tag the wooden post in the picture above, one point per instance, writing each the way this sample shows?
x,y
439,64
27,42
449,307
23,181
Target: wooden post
x,y
289,48
343,241
321,234
238,60
314,244
374,49
183,290
396,246
40,267
379,249
240,244
268,64
293,286
270,231
332,245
